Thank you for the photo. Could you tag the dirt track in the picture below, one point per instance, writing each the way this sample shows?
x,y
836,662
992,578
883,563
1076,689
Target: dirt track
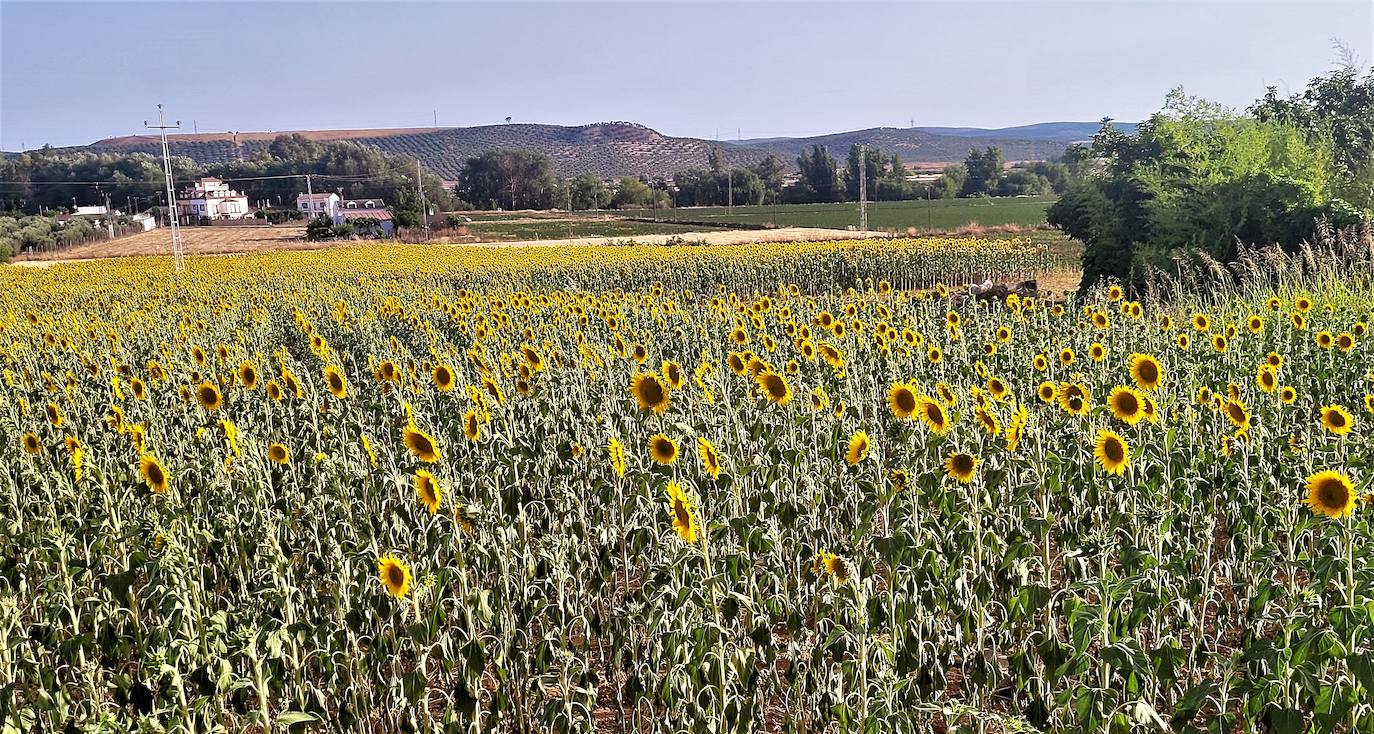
x,y
224,241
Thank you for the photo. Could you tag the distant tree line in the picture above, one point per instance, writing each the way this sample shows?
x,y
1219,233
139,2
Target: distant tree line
x,y
518,179
354,170
1198,177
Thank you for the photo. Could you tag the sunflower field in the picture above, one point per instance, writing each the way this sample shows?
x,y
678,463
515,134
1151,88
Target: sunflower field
x,y
788,488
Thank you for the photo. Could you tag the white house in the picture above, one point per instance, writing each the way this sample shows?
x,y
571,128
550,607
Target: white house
x,y
370,213
211,198
313,205
145,220
98,210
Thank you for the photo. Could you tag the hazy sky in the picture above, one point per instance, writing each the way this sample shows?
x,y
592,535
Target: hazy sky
x,y
74,73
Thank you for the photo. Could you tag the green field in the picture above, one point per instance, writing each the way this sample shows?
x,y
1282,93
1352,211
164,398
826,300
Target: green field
x,y
553,229
938,215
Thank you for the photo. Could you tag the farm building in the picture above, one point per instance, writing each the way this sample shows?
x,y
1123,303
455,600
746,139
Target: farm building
x,y
211,198
313,205
366,214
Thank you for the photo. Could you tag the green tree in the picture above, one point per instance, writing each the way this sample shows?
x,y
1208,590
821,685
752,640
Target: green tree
x,y
589,192
513,179
632,193
875,163
771,173
820,177
984,171
1196,176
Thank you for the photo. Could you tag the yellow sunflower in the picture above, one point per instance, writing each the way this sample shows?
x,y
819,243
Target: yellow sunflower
x,y
338,386
1127,405
278,454
680,508
1267,378
1111,452
1237,412
616,451
1337,420
208,395
774,387
961,466
662,450
832,565
1288,395
153,474
649,392
1146,371
472,425
395,576
933,415
421,444
1331,493
428,490
248,375
672,374
710,458
444,378
32,444
858,448
901,398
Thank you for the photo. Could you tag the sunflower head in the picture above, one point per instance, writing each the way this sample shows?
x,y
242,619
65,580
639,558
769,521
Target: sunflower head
x,y
833,566
428,490
1337,420
649,392
901,399
154,475
710,458
395,576
1146,371
681,511
1111,452
774,387
208,395
1331,493
858,448
420,444
934,416
443,377
1127,405
334,379
961,467
662,450
278,454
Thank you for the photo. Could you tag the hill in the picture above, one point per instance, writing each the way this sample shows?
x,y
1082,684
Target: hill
x,y
1058,131
611,149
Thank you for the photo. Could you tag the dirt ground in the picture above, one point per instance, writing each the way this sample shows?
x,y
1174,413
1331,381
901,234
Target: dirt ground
x,y
226,240
196,240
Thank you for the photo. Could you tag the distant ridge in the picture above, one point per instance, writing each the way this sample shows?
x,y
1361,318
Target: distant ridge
x,y
611,149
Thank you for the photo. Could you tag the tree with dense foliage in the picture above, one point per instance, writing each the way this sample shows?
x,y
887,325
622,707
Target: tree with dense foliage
x,y
771,172
820,181
631,193
984,171
511,179
588,191
1338,107
1198,177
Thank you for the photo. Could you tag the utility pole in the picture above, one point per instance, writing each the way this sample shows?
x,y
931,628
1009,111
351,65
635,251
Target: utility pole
x,y
178,258
424,208
109,217
730,190
863,188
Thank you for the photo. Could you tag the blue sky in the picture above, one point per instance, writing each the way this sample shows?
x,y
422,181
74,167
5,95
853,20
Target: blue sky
x,y
74,73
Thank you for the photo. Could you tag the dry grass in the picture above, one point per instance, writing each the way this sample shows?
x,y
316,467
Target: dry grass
x,y
196,240
227,240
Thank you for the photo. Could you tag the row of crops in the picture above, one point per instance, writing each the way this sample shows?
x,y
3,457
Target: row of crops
x,y
795,488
